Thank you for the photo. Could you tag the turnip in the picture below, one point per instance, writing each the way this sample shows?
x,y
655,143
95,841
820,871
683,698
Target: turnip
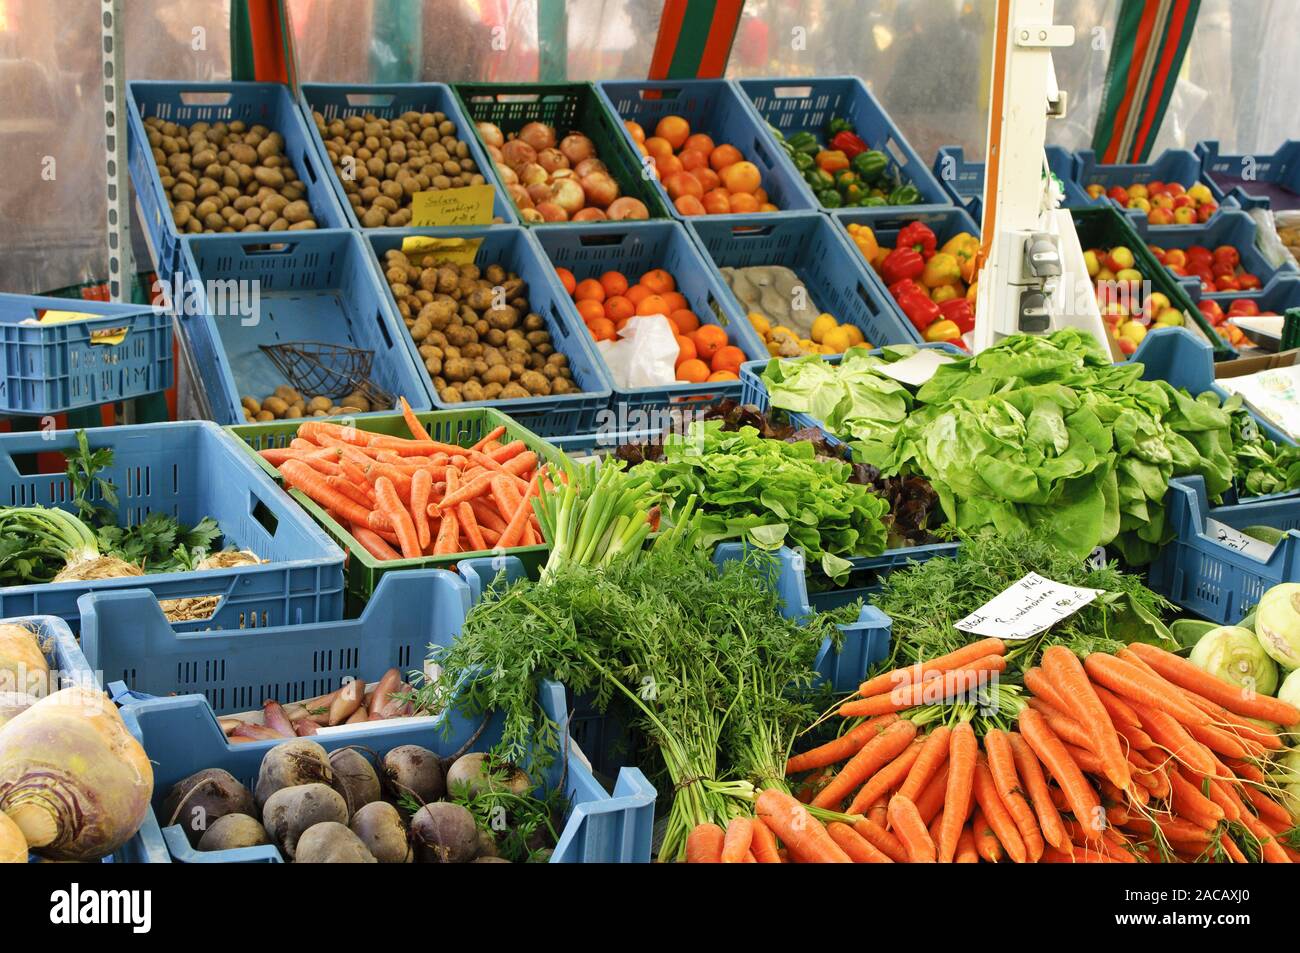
x,y
475,773
410,769
444,833
23,667
13,704
233,831
380,827
331,843
72,777
354,778
289,812
288,765
198,801
13,846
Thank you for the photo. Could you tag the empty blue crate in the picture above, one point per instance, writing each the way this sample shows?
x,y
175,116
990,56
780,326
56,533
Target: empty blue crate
x,y
1201,572
236,672
803,104
339,101
243,292
116,352
512,249
837,279
718,109
1268,180
1173,165
634,248
1229,226
267,104
964,181
187,471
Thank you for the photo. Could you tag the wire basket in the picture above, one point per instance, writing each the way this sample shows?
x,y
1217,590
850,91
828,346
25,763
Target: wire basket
x,y
330,370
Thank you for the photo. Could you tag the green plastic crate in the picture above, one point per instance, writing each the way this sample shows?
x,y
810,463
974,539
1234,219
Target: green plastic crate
x,y
463,427
569,107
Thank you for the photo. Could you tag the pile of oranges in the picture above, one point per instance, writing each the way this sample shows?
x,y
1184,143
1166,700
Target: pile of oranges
x,y
609,302
701,177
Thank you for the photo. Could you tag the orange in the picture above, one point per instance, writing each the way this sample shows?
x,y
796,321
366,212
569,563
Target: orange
x,y
567,279
658,281
694,371
620,325
724,156
717,376
768,207
638,134
613,282
709,180
728,358
683,184
693,159
589,288
637,293
743,202
688,205
717,202
687,321
602,329
741,177
657,147
675,129
652,304
673,324
668,166
709,340
591,310
761,195
676,301
619,308
698,143
685,349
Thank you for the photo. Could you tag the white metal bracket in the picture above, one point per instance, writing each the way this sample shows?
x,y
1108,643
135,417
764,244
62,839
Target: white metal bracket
x,y
1044,35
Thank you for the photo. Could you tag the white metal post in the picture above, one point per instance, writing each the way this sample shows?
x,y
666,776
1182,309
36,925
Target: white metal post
x,y
121,267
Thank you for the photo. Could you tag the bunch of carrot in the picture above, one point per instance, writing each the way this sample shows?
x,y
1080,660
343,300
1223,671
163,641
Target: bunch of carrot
x,y
1127,758
404,498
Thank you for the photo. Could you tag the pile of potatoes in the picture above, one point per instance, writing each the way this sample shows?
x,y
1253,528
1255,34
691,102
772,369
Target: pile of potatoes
x,y
341,807
228,177
475,332
287,404
382,163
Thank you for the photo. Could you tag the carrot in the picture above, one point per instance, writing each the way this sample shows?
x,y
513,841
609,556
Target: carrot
x,y
373,543
842,748
951,684
502,494
1225,742
907,824
986,842
886,779
421,487
496,433
934,752
1134,684
1051,752
764,843
1138,740
1040,686
391,506
519,520
1002,766
316,429
874,755
1064,668
1065,727
1248,732
1034,782
874,833
470,491
803,834
996,813
855,845
520,465
302,477
350,490
323,460
879,813
704,844
1225,803
1269,848
1089,762
413,423
469,526
1191,804
966,853
1268,809
448,540
963,748
1187,676
736,841
887,682
930,804
1120,712
1166,731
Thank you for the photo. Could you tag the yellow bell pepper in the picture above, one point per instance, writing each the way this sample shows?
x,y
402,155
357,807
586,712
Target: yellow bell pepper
x,y
964,247
942,269
945,293
972,293
944,330
865,239
878,260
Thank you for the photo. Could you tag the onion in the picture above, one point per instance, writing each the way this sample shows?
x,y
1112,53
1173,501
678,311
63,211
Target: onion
x,y
552,159
599,189
531,215
494,153
550,212
588,166
563,174
627,208
508,175
538,192
532,173
538,135
568,195
519,195
577,147
491,134
591,214
518,153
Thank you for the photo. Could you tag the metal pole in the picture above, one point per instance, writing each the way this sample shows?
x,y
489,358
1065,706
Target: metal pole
x,y
121,267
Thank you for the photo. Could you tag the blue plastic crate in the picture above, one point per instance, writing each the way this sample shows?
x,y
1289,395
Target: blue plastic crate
x,y
513,249
50,369
1253,181
1203,575
341,100
189,471
717,108
838,280
964,181
799,104
312,286
1173,165
270,104
1229,226
634,248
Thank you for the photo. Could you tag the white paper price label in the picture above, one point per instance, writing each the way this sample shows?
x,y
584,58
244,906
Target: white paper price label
x,y
1028,607
916,369
1237,541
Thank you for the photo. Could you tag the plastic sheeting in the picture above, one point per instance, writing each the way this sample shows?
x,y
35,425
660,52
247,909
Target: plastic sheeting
x,y
927,60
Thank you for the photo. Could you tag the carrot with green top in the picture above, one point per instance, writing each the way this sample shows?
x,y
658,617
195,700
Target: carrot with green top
x,y
874,833
930,802
1135,684
888,681
1030,772
963,749
1002,767
804,835
855,845
1066,671
986,842
952,684
966,852
1172,736
875,754
764,844
842,748
996,813
934,754
1056,759
735,843
905,820
704,844
1187,676
884,781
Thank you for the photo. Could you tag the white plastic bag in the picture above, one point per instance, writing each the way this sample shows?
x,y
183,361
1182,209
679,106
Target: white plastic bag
x,y
645,355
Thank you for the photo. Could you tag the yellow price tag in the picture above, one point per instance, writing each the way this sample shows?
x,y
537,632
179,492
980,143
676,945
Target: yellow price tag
x,y
101,336
425,249
469,205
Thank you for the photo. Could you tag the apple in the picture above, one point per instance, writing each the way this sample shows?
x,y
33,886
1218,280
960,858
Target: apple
x,y
1142,204
1178,270
1105,275
1091,262
1248,282
1119,258
1128,274
1170,319
1243,306
1198,256
1163,200
1159,215
1157,303
1176,257
1185,215
1175,189
1226,283
1127,347
1212,312
1227,253
1205,212
1134,331
1200,193
1182,201
1096,190
1155,188
1138,192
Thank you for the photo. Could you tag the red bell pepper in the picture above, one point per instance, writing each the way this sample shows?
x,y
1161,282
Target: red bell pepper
x,y
901,263
850,143
960,312
905,287
920,237
920,310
